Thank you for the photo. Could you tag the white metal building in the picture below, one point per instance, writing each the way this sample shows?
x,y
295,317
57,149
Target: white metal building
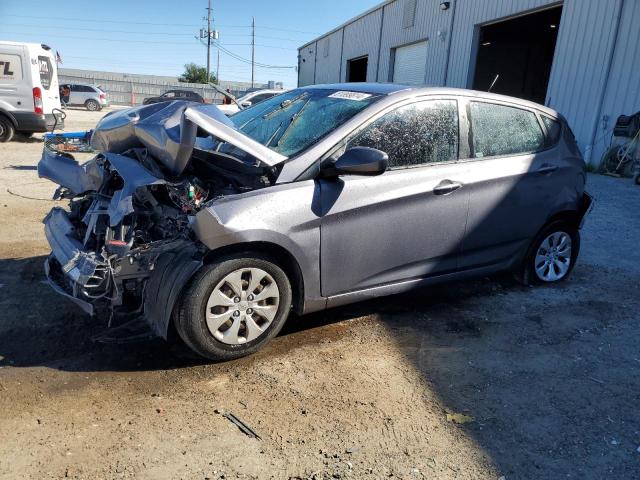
x,y
580,57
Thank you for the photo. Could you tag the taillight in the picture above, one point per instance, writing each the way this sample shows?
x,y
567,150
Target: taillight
x,y
103,96
37,101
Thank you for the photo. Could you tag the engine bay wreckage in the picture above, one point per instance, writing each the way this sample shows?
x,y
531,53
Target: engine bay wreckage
x,y
128,243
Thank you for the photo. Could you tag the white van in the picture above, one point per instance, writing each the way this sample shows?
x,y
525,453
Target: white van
x,y
29,92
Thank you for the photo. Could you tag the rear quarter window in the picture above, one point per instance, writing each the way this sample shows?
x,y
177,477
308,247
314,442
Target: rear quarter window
x,y
503,130
554,129
46,71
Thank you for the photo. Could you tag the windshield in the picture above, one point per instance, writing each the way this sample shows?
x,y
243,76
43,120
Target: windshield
x,y
293,121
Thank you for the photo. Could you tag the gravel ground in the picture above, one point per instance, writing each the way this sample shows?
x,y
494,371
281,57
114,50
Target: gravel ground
x,y
549,377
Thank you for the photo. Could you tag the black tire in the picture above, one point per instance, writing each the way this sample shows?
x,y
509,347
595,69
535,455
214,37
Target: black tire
x,y
527,275
26,134
636,179
92,105
6,129
190,315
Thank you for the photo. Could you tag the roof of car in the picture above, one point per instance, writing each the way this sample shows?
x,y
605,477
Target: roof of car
x,y
394,88
368,87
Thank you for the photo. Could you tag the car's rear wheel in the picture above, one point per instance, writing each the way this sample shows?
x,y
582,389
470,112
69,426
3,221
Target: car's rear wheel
x,y
6,129
552,254
92,105
233,307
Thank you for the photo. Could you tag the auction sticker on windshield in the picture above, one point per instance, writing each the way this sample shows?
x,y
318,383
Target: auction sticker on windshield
x,y
350,95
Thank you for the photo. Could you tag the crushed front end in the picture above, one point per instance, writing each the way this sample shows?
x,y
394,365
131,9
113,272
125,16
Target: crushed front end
x,y
125,247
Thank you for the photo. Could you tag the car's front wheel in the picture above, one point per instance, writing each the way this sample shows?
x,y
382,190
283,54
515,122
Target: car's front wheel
x,y
92,105
552,254
233,307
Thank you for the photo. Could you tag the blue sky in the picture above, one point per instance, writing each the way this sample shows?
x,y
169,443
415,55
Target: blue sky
x,y
157,37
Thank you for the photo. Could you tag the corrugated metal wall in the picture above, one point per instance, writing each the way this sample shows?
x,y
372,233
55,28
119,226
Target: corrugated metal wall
x,y
306,64
328,60
362,38
584,48
429,20
576,85
622,94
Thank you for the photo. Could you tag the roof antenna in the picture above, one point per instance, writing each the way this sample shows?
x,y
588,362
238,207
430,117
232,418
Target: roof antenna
x,y
494,82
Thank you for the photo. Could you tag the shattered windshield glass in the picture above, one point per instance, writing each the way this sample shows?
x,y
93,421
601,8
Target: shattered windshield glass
x,y
293,121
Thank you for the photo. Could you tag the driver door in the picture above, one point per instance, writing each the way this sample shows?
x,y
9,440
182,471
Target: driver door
x,y
407,223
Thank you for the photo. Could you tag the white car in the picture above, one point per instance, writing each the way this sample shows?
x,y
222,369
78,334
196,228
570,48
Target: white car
x,y
92,97
249,99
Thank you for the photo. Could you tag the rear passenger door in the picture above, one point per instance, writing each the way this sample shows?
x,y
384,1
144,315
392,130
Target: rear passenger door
x,y
513,179
75,97
407,223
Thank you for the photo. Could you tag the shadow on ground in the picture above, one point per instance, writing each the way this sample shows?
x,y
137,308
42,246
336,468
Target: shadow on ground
x,y
54,333
549,375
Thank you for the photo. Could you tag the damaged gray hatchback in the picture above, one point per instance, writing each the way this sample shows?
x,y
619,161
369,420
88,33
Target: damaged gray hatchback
x,y
321,196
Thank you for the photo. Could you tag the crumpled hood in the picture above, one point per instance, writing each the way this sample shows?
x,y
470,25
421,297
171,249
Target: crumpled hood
x,y
169,131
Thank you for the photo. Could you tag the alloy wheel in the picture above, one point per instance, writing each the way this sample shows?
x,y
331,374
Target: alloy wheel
x,y
242,306
553,258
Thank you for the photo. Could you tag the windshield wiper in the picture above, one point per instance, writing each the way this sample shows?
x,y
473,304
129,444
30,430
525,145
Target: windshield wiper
x,y
284,105
294,119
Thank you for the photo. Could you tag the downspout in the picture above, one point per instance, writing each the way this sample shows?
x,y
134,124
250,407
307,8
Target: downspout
x,y
341,52
315,60
594,131
379,43
453,19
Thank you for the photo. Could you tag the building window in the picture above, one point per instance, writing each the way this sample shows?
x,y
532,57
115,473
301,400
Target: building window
x,y
326,47
409,13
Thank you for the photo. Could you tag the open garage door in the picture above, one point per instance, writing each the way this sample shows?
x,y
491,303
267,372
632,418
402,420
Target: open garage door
x,y
519,53
410,64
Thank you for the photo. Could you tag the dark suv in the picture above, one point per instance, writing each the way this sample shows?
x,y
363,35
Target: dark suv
x,y
171,95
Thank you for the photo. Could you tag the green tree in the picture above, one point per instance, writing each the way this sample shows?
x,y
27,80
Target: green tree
x,y
196,74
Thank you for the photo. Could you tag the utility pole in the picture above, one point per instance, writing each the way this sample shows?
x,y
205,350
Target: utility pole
x,y
208,41
218,69
253,50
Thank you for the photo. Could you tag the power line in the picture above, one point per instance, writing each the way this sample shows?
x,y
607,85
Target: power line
x,y
245,60
177,63
153,23
154,42
104,30
132,32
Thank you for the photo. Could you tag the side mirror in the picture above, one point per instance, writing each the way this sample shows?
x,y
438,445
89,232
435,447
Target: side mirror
x,y
246,103
361,161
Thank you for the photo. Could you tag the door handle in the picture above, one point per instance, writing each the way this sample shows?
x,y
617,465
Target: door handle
x,y
544,169
445,187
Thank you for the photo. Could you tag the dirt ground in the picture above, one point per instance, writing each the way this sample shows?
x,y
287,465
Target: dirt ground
x,y
549,377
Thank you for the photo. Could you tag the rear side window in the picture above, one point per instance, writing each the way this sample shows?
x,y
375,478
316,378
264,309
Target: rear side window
x,y
46,71
501,130
417,134
261,97
553,130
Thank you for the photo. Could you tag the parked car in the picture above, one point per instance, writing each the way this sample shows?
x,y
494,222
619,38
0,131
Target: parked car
x,y
171,95
252,98
92,97
28,90
322,196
